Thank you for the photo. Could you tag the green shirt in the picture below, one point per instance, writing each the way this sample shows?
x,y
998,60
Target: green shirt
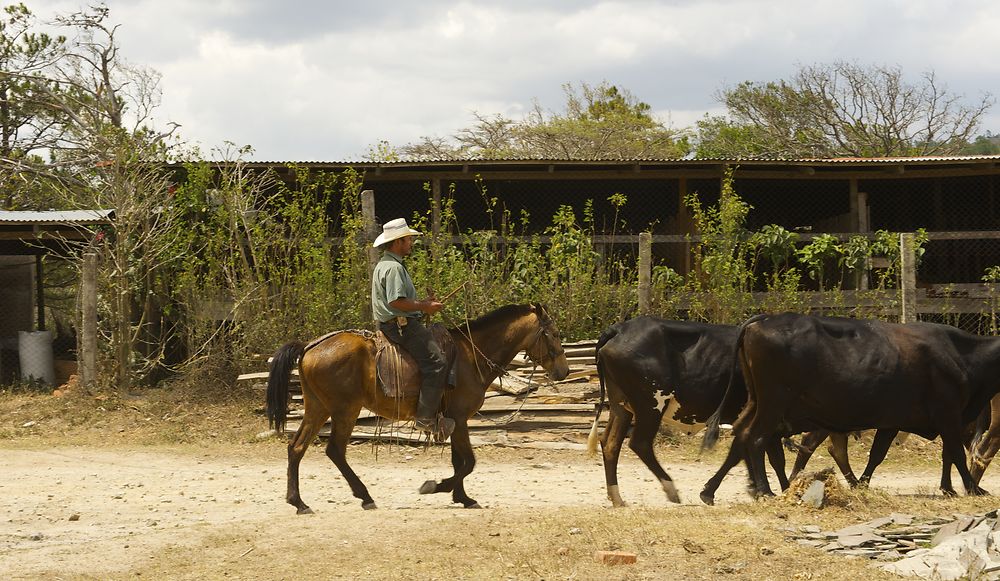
x,y
391,281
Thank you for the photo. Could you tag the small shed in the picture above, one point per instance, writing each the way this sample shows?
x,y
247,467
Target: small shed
x,y
26,238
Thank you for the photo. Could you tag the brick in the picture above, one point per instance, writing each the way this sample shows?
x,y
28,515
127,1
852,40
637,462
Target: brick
x,y
615,557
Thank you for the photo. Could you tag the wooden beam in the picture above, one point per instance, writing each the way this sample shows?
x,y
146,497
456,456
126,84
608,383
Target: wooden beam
x,y
908,277
88,322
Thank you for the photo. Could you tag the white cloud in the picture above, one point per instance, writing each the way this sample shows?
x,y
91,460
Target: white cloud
x,y
328,79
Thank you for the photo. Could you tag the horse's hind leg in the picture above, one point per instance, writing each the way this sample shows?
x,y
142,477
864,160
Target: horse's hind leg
x,y
341,427
312,422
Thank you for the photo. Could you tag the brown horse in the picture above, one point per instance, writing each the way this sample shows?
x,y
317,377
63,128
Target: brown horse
x,y
338,379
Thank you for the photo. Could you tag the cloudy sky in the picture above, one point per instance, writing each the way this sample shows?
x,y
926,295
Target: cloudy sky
x,y
315,80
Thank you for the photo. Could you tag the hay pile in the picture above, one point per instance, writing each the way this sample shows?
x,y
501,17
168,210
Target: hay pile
x,y
834,493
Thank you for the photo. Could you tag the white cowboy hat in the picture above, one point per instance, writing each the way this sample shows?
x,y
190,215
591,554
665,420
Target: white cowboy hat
x,y
394,229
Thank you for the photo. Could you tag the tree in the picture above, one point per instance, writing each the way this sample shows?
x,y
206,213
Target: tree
x,y
116,159
988,144
601,122
89,109
841,109
27,126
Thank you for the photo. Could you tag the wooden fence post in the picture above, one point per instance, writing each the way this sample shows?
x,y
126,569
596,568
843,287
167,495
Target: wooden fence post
x,y
908,277
645,271
371,230
88,323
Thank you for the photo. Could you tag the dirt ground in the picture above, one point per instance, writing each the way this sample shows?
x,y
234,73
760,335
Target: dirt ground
x,y
110,508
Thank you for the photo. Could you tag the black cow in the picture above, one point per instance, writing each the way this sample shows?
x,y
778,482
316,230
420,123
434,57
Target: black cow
x,y
652,369
805,372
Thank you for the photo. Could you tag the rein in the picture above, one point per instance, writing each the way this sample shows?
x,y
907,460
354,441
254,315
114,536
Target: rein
x,y
467,333
501,372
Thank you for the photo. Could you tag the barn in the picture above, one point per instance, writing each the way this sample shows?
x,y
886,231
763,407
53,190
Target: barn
x,y
953,198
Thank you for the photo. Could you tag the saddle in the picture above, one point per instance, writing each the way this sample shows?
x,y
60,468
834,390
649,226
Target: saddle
x,y
396,371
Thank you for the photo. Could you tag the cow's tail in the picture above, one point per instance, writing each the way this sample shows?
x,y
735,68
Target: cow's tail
x,y
712,425
606,336
284,360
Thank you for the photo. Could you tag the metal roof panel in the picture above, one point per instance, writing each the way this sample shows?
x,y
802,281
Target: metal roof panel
x,y
54,216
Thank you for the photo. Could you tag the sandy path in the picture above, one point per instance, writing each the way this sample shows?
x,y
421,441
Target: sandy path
x,y
96,511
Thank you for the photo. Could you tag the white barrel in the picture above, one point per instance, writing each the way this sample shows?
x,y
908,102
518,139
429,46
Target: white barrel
x,y
35,350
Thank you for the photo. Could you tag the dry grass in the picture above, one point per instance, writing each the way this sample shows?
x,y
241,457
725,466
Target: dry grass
x,y
690,542
747,540
179,413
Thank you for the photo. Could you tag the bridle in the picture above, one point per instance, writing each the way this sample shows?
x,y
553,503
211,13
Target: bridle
x,y
544,322
551,353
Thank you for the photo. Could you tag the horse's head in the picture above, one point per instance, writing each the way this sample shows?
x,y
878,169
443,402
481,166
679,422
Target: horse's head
x,y
545,348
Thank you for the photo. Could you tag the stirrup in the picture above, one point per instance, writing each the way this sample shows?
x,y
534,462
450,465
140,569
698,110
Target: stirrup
x,y
440,427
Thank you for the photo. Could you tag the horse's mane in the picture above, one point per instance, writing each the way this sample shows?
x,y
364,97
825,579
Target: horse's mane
x,y
502,313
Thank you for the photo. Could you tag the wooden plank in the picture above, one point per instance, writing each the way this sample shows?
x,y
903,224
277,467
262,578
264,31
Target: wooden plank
x,y
489,436
538,407
525,362
495,408
263,375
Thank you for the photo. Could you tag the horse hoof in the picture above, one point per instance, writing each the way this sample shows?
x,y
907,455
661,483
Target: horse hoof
x,y
304,510
707,498
429,487
369,505
474,505
949,493
977,491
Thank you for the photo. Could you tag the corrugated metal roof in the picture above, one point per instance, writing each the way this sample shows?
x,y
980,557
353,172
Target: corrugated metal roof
x,y
55,217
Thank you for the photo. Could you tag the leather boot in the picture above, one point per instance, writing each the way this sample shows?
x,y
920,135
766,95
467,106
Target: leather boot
x,y
428,419
440,427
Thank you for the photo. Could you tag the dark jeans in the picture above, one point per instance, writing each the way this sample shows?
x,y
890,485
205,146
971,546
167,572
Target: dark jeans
x,y
419,342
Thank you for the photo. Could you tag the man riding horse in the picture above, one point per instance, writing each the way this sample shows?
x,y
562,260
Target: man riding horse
x,y
398,312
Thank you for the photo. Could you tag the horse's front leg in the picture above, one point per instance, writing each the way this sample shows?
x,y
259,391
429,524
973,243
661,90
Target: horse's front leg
x,y
463,460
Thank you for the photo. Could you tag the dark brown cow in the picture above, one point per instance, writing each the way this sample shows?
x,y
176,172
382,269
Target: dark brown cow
x,y
675,372
804,373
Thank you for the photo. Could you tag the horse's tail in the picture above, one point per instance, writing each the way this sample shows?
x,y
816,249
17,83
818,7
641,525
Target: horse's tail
x,y
606,336
712,425
282,363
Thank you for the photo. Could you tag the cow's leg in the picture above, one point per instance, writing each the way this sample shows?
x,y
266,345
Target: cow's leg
x,y
946,488
761,430
647,421
951,444
810,441
619,420
755,454
880,447
776,454
838,451
732,459
737,451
